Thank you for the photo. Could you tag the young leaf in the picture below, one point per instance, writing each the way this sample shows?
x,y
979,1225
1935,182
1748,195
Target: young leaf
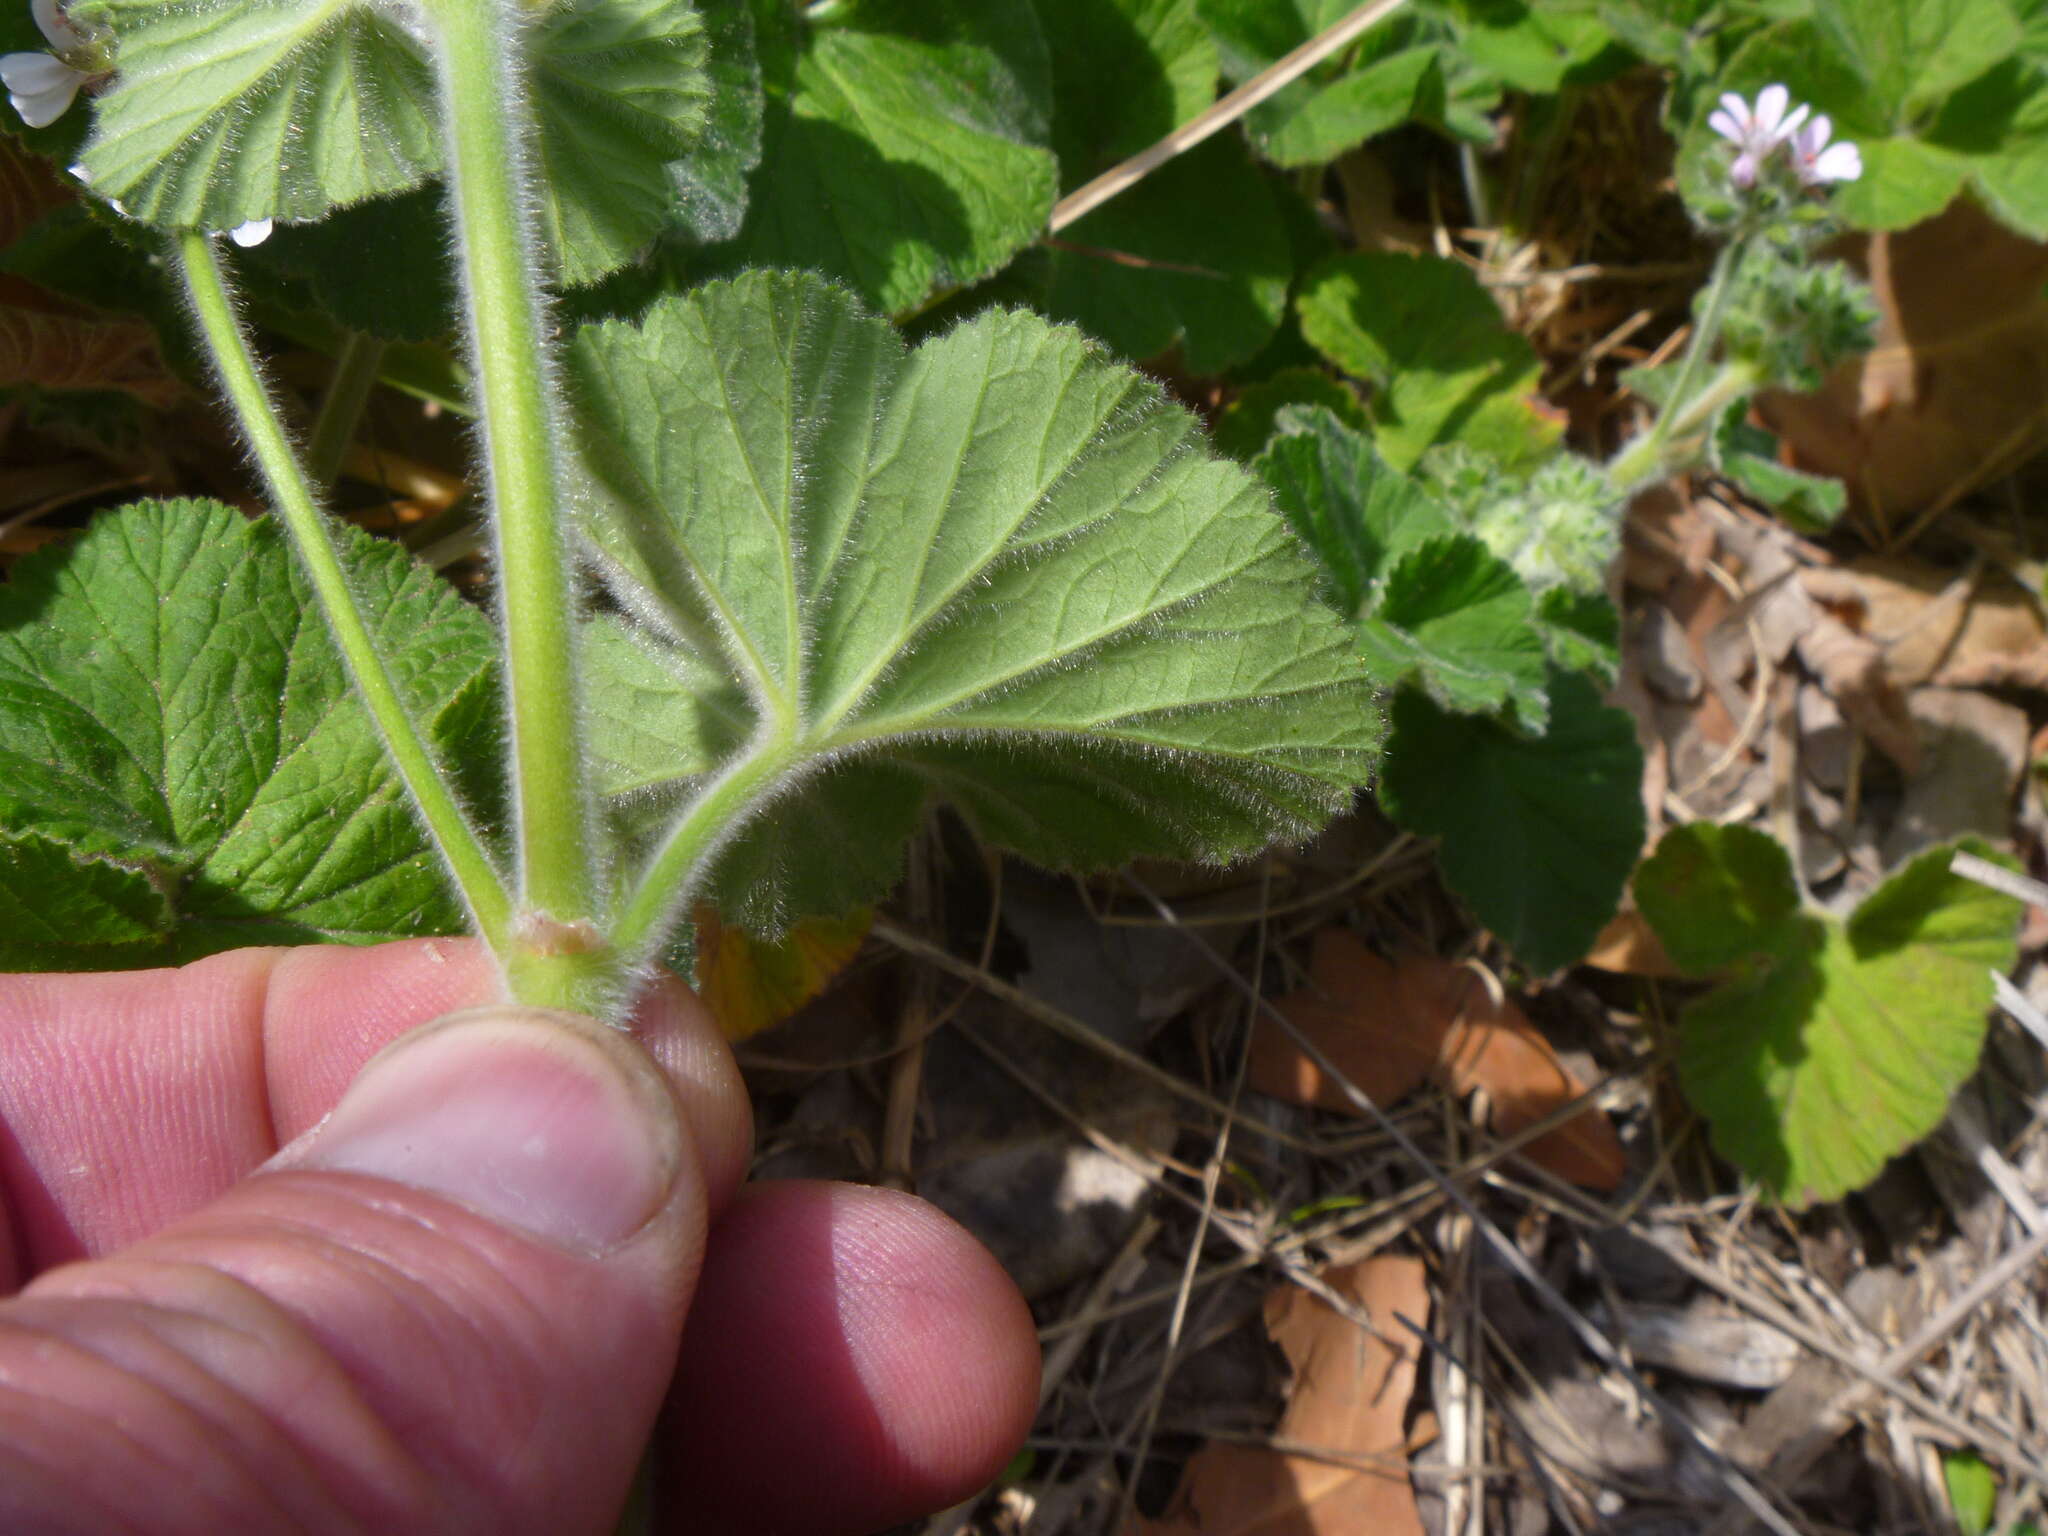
x,y
1432,605
1456,617
1748,455
1444,366
1538,834
182,765
997,568
1830,1046
903,143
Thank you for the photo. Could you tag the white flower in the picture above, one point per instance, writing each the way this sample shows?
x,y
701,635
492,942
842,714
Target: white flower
x,y
1819,163
1755,131
41,86
255,232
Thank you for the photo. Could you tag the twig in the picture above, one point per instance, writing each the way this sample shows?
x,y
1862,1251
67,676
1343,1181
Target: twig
x,y
1596,1343
1265,83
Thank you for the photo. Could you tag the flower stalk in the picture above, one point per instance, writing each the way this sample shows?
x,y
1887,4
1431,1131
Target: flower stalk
x,y
561,961
475,874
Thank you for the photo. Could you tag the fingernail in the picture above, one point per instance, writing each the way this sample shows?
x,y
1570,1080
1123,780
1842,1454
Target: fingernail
x,y
543,1121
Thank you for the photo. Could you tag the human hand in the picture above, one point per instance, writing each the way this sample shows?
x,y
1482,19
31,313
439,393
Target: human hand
x,y
456,1305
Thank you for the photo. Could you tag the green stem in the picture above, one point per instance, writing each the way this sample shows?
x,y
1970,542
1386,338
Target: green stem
x,y
348,391
1643,459
491,180
468,861
684,854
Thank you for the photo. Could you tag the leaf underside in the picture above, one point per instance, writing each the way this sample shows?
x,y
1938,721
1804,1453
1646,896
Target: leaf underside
x,y
997,569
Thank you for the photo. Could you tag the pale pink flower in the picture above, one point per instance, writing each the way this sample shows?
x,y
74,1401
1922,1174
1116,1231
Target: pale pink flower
x,y
1755,131
1819,163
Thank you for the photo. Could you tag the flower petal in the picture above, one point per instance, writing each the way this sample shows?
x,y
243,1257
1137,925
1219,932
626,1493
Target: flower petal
x,y
1839,162
1771,103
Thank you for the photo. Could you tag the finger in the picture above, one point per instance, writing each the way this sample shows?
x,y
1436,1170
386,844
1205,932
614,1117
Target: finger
x,y
857,1335
129,1099
450,1308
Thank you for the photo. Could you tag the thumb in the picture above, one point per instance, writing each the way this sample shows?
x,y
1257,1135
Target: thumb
x,y
452,1306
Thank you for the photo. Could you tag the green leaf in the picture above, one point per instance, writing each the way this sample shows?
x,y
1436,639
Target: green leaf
x,y
230,110
1748,455
1581,630
1125,74
1429,338
1539,47
1404,86
1538,833
61,910
709,184
1457,619
1156,266
1936,93
172,708
903,144
1433,606
996,569
621,92
1830,1046
1357,513
1377,83
1717,894
1972,1492
1247,423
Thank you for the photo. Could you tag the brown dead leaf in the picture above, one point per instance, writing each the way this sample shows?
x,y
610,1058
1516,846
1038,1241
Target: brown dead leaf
x,y
54,344
1388,1028
1351,1010
1953,390
1350,1398
1489,1044
1629,946
750,983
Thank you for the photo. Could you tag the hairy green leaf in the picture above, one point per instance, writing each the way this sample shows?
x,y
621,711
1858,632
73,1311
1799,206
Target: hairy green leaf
x,y
997,569
172,709
1444,366
226,111
1538,833
1432,604
621,92
902,145
230,110
1830,1046
64,910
